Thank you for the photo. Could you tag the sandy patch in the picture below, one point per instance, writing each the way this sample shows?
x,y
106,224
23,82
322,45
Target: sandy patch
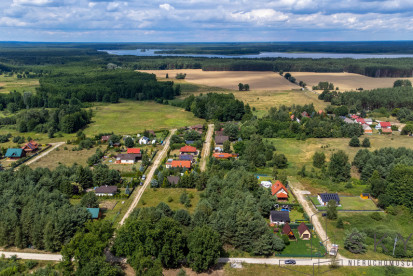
x,y
230,79
345,81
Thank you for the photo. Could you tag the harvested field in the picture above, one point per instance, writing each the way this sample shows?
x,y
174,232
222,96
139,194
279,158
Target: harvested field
x,y
345,81
230,79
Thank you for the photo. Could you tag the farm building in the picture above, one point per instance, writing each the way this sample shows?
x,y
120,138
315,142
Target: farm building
x,y
279,217
279,190
178,164
287,231
106,190
324,198
14,154
31,146
105,138
173,180
95,212
304,232
188,150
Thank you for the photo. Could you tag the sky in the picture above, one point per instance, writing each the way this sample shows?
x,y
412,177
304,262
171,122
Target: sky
x,y
205,20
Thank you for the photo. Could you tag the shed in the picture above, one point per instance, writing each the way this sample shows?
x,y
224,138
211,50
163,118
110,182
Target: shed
x,y
304,232
287,231
279,217
365,196
106,190
14,153
95,212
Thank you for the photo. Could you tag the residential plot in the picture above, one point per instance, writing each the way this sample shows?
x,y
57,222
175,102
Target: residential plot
x,y
354,203
345,81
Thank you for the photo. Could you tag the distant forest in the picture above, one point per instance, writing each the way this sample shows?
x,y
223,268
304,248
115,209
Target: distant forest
x,y
27,56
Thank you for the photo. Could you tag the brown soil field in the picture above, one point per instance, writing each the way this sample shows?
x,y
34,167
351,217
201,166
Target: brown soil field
x,y
230,79
345,81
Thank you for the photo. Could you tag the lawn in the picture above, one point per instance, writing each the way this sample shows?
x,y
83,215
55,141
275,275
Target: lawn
x,y
302,247
64,156
152,197
131,117
350,203
387,224
275,270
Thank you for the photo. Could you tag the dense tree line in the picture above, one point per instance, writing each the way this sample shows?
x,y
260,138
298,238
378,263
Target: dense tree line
x,y
213,106
153,238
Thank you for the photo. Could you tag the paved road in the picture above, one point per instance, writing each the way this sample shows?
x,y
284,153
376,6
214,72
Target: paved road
x,y
158,159
295,186
207,146
33,256
43,154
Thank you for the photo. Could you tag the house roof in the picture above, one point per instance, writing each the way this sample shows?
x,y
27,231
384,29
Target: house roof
x,y
360,120
219,133
188,149
173,179
105,137
145,138
276,187
385,124
222,155
386,130
302,228
181,163
366,127
134,150
32,145
326,197
127,156
349,121
16,153
187,157
94,212
283,216
354,116
199,126
305,114
221,139
106,189
286,229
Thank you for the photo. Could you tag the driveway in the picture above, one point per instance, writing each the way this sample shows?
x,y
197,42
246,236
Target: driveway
x,y
207,147
43,154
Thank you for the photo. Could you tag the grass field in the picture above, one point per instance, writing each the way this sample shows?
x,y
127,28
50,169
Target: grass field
x,y
275,270
303,247
131,117
345,81
152,197
389,224
230,79
8,84
65,157
350,203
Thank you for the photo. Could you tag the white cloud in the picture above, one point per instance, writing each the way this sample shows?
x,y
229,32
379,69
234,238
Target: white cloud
x,y
37,2
259,16
166,7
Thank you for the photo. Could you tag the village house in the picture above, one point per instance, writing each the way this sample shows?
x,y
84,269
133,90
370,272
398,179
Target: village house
x,y
223,155
188,150
386,131
279,217
173,180
383,125
136,151
368,121
361,121
105,138
106,190
367,129
14,154
219,140
178,164
349,121
95,213
288,231
31,147
198,128
186,157
279,190
128,158
324,198
144,140
304,232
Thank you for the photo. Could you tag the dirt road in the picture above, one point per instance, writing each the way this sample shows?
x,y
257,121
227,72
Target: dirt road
x,y
155,164
43,154
207,146
33,256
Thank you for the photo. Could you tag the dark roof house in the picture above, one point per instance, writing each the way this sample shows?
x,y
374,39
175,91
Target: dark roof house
x,y
287,231
303,231
172,179
106,190
324,198
219,140
186,157
279,217
31,146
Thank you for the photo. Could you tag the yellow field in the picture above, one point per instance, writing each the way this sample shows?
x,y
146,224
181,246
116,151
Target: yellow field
x,y
345,81
230,79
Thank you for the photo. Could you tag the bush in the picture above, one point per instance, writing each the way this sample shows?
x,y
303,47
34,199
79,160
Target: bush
x,y
376,216
354,142
366,143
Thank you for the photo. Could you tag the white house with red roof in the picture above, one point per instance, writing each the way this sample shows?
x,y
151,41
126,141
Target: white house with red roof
x,y
279,190
384,126
361,121
188,150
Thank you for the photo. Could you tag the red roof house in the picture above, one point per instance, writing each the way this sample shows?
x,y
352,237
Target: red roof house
x,y
360,121
354,116
385,124
134,150
223,155
179,164
188,149
279,190
31,146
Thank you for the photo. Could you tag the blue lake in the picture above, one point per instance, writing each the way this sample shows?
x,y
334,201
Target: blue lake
x,y
151,53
